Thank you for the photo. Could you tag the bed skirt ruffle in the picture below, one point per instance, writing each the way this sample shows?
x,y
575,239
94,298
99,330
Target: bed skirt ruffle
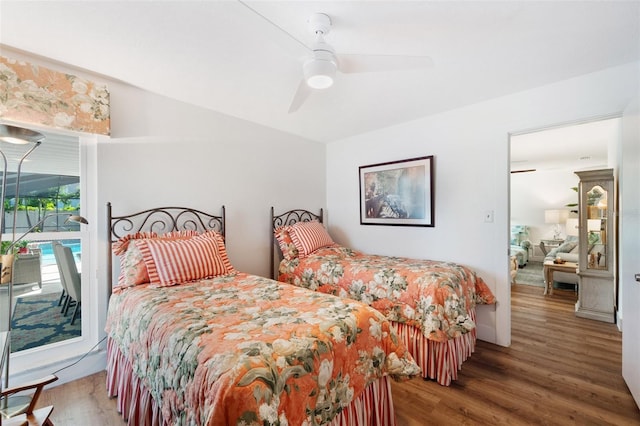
x,y
440,361
373,407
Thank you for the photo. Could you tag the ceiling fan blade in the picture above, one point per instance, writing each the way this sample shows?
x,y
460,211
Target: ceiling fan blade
x,y
301,95
296,48
349,64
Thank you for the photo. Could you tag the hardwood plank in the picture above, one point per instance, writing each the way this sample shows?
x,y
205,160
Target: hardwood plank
x,y
559,370
82,402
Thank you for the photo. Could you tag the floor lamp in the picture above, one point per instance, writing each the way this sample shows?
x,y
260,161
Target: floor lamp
x,y
21,136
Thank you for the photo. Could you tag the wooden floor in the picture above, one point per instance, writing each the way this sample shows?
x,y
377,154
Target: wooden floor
x,y
559,370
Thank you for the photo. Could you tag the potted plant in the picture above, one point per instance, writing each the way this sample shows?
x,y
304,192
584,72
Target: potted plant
x,y
22,246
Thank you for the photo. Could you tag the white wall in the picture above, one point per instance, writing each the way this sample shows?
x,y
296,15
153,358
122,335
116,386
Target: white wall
x,y
163,152
471,149
533,193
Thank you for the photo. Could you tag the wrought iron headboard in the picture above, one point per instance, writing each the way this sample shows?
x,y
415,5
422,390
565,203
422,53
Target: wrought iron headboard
x,y
288,218
160,220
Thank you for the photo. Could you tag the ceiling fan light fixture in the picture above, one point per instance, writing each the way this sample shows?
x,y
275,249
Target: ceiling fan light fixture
x,y
319,73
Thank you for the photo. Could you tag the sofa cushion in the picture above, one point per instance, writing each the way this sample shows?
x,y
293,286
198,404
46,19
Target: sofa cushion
x,y
569,257
568,251
567,246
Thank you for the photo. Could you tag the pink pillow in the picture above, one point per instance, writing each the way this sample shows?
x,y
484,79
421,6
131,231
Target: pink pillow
x,y
288,249
309,236
171,262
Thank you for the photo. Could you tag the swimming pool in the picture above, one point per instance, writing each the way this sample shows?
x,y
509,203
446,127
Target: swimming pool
x,y
46,248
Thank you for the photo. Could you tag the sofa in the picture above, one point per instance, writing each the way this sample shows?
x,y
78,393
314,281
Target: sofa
x,y
568,251
520,253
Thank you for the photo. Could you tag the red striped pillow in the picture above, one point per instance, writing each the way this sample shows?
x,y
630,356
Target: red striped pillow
x,y
309,236
171,262
222,249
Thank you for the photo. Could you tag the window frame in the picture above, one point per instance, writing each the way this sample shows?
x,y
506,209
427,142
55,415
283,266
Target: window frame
x,y
31,364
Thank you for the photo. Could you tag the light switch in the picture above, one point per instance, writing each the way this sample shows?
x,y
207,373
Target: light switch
x,y
488,216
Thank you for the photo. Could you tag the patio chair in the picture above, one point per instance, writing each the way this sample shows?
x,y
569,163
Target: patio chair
x,y
64,296
27,269
69,278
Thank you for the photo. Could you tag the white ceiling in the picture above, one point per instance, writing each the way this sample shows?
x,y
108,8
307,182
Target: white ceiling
x,y
222,56
575,147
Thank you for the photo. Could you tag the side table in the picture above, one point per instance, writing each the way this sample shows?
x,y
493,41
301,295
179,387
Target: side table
x,y
549,267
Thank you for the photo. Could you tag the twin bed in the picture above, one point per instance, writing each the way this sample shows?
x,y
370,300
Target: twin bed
x,y
430,304
190,340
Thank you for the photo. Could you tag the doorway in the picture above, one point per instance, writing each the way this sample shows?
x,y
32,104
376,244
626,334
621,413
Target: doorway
x,y
543,194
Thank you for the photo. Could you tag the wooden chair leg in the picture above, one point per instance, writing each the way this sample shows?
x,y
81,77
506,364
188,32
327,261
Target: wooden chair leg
x,y
29,414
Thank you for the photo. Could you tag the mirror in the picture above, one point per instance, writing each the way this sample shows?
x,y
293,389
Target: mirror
x,y
596,228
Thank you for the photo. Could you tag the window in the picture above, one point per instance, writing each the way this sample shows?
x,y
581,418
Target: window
x,y
36,212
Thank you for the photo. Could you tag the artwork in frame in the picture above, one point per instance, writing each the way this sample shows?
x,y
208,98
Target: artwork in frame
x,y
397,193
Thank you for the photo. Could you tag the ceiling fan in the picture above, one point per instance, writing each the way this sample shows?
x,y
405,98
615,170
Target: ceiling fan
x,y
322,63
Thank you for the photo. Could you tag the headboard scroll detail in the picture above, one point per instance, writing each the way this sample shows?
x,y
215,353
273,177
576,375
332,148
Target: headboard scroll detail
x,y
288,218
162,220
294,216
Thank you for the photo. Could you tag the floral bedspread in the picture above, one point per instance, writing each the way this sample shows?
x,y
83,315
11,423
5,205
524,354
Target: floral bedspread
x,y
434,296
245,350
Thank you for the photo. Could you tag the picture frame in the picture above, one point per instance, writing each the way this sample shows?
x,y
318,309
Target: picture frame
x,y
399,193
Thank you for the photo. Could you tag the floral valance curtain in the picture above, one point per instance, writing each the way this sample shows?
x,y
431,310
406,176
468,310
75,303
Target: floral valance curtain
x,y
33,94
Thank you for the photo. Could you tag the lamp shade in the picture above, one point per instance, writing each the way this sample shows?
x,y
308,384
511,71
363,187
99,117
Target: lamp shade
x,y
556,216
19,135
552,216
77,219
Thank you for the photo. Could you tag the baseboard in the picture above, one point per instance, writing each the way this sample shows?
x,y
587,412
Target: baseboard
x,y
94,362
619,321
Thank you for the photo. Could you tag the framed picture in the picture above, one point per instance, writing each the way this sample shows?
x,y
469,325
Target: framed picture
x,y
397,193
